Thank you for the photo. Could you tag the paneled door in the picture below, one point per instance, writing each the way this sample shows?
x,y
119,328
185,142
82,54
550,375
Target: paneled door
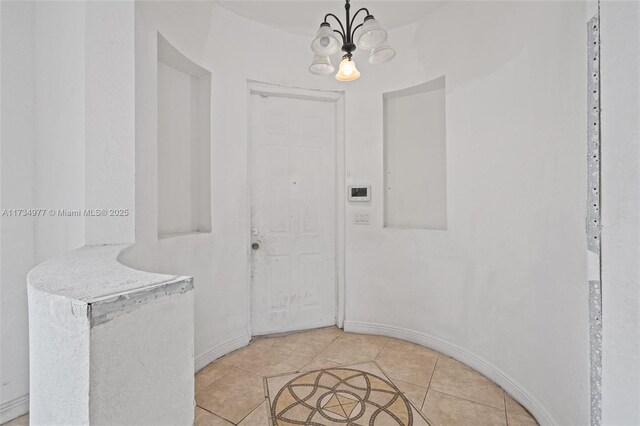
x,y
293,184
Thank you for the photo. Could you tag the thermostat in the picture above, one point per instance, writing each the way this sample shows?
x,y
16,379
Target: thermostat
x,y
360,193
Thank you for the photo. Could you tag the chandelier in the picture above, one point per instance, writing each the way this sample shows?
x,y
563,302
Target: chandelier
x,y
370,36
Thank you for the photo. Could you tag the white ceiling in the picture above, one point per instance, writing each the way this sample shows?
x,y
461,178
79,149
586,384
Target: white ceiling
x,y
304,16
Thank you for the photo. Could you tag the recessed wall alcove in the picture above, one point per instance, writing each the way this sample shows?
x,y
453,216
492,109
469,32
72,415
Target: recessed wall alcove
x,y
184,143
415,171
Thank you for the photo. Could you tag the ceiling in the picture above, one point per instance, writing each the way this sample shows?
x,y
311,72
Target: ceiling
x,y
304,16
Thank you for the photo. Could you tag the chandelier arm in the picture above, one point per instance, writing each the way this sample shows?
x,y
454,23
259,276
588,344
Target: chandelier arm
x,y
337,20
344,40
356,14
353,33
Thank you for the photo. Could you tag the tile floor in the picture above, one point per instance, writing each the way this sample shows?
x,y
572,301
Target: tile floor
x,y
276,377
363,377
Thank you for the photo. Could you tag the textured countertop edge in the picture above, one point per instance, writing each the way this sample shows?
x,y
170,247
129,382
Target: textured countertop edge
x,y
56,277
104,308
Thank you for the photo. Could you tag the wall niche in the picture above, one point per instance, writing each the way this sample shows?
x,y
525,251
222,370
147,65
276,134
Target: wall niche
x,y
184,143
415,171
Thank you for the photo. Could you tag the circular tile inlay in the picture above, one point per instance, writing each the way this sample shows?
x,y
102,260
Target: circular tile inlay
x,y
340,395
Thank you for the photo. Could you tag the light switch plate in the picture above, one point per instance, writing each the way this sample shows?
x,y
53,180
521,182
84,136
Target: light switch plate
x,y
361,218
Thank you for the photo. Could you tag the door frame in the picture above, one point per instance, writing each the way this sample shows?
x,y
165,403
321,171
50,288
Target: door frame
x,y
337,97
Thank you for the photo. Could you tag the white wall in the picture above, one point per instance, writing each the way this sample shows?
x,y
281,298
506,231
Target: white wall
x,y
415,180
17,233
506,283
510,268
219,260
184,143
67,143
60,126
174,150
42,156
109,120
620,174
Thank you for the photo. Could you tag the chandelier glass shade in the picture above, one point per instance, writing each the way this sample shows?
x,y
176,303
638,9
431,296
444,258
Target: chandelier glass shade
x,y
368,35
371,34
381,54
325,42
347,70
321,65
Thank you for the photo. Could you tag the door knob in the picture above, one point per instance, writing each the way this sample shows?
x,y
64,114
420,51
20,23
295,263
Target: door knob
x,y
255,246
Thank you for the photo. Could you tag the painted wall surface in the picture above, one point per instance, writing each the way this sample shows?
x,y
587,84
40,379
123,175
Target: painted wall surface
x,y
506,283
219,260
131,387
109,153
17,233
415,188
60,124
510,268
67,143
60,358
174,148
109,345
620,182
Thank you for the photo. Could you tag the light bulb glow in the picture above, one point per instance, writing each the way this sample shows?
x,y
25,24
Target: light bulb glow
x,y
347,70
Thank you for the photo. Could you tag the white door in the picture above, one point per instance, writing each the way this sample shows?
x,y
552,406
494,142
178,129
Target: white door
x,y
293,270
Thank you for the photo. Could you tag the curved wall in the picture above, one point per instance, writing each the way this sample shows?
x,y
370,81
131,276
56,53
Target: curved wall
x,y
504,288
235,50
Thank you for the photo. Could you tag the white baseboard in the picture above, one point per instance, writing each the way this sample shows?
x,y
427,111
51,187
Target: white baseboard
x,y
472,360
14,408
220,350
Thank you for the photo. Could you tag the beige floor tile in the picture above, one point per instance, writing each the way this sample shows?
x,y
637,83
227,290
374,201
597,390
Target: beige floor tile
x,y
258,417
205,418
443,410
403,345
310,342
519,420
233,396
331,330
18,421
454,378
418,418
369,367
411,365
514,407
369,338
318,364
211,373
414,393
232,388
353,349
261,341
267,360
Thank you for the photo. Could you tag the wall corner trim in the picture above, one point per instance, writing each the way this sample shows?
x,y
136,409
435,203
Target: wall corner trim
x,y
14,408
466,357
220,350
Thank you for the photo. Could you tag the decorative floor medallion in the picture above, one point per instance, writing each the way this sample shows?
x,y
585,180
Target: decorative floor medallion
x,y
340,396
